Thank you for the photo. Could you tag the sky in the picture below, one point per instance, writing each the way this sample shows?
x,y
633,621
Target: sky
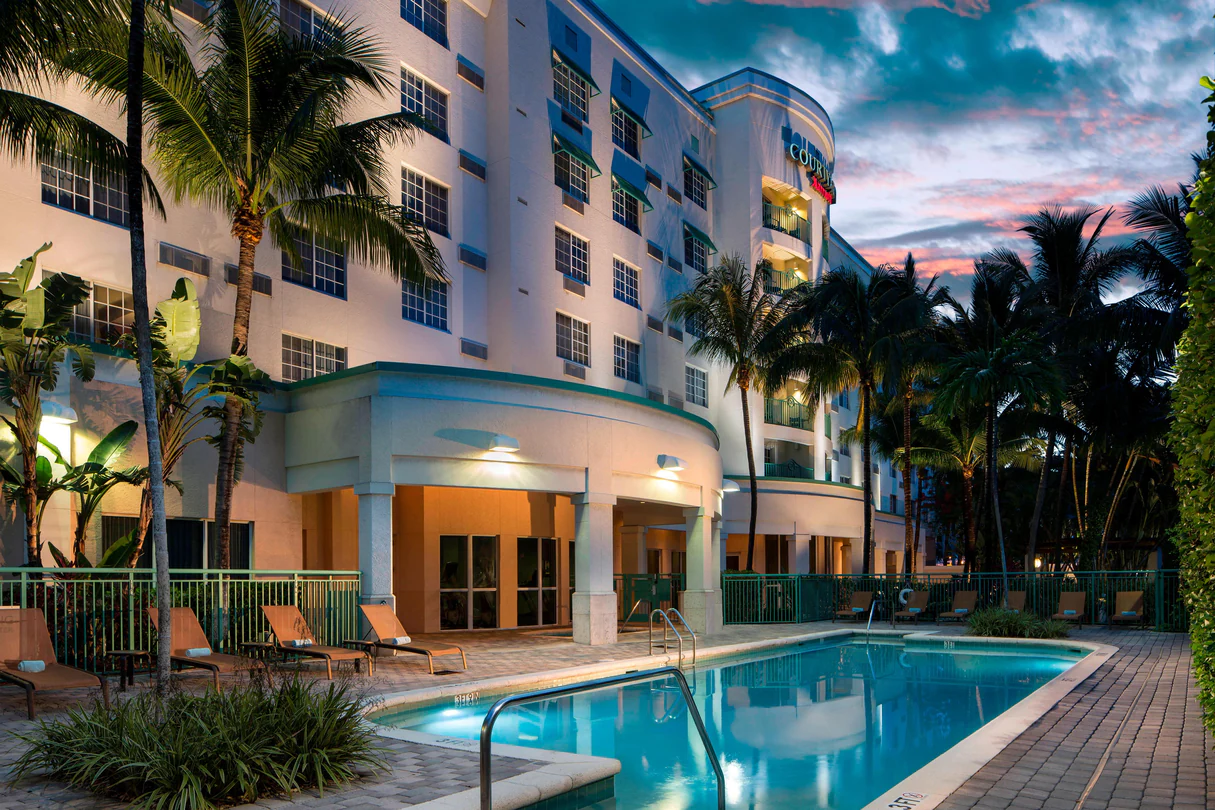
x,y
954,119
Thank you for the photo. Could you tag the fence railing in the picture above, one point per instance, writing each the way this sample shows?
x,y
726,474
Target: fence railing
x,y
780,282
788,412
787,469
657,590
90,612
786,220
794,598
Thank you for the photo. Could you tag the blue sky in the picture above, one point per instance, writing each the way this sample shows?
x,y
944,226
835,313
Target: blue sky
x,y
956,118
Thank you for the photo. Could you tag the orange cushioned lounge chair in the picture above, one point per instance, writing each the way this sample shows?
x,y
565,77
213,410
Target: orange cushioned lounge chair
x,y
1128,607
963,606
857,608
391,635
189,637
1016,601
292,634
27,658
917,603
1071,607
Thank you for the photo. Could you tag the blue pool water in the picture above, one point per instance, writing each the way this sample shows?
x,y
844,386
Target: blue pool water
x,y
831,725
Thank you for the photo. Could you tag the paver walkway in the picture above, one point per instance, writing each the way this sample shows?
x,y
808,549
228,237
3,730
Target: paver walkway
x,y
1129,736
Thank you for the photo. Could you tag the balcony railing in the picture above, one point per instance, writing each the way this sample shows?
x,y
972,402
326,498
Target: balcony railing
x,y
780,282
787,469
784,219
788,412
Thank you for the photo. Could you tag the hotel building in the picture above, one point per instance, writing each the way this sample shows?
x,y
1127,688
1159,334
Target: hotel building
x,y
491,451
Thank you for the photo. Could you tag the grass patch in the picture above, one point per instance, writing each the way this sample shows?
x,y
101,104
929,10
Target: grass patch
x,y
196,752
1001,623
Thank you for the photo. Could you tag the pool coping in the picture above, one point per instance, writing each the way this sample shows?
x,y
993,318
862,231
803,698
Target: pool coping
x,y
945,773
952,768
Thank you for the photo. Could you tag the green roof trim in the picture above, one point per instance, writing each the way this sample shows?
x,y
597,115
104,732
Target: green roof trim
x,y
559,57
632,190
383,367
699,236
631,113
564,144
693,163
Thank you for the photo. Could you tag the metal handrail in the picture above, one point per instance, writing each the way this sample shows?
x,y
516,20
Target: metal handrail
x,y
666,623
872,604
487,726
634,610
687,627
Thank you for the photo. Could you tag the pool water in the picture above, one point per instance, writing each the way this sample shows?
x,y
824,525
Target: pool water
x,y
830,725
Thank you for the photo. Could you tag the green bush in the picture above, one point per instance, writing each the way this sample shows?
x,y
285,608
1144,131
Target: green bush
x,y
1001,623
196,752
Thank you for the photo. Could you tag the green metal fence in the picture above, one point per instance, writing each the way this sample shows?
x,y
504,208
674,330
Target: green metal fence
x,y
654,590
785,219
792,598
788,412
90,613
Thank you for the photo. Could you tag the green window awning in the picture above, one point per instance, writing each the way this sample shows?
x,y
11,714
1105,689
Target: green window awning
x,y
563,144
699,235
691,163
559,57
617,104
628,188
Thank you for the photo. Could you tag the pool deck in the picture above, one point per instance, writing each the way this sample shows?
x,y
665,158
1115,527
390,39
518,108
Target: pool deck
x,y
1129,736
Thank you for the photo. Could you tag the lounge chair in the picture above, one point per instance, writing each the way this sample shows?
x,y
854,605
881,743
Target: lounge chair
x,y
1128,607
963,606
917,603
1071,607
189,637
857,608
1016,601
293,636
389,634
25,640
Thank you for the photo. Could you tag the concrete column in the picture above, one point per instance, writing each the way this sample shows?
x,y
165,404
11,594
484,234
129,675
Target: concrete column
x,y
802,549
632,550
375,542
702,597
594,600
718,563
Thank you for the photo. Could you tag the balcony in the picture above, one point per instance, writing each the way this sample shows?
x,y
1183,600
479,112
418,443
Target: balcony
x,y
789,413
788,469
786,220
780,282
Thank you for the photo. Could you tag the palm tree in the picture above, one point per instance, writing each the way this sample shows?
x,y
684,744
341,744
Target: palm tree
x,y
732,316
257,129
840,333
956,441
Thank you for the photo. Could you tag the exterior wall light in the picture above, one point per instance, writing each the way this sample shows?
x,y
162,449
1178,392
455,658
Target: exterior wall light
x,y
670,463
57,414
501,443
729,485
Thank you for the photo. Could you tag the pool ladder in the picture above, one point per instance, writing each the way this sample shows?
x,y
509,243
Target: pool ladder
x,y
487,727
667,624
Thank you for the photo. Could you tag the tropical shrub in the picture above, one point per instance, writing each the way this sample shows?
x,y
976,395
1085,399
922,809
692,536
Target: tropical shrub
x,y
196,752
1193,421
1001,623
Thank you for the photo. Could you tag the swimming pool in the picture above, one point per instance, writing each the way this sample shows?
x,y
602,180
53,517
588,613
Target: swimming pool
x,y
829,724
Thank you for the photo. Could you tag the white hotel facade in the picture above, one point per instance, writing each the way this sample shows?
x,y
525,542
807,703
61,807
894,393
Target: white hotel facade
x,y
572,186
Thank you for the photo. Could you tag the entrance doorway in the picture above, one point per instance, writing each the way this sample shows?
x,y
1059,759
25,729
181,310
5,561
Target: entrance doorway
x,y
537,567
468,582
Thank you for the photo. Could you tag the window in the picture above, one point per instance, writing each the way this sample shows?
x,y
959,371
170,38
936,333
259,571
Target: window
x,y
844,399
74,184
573,339
572,176
322,264
625,283
571,91
573,256
696,386
695,253
428,16
470,73
468,582
694,326
626,133
626,209
425,303
194,9
302,20
304,358
628,359
695,187
536,564
261,284
103,316
188,542
425,201
424,100
183,259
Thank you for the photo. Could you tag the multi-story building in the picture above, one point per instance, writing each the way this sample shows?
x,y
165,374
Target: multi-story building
x,y
489,451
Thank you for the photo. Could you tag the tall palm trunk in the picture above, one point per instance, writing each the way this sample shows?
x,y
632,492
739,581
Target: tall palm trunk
x,y
1064,463
989,539
247,228
866,480
143,337
27,440
993,432
968,514
746,414
919,509
909,543
1039,502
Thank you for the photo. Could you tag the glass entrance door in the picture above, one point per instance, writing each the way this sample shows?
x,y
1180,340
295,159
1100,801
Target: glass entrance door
x,y
537,599
468,582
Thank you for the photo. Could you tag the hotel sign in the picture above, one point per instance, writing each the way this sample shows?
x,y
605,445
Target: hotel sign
x,y
803,152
